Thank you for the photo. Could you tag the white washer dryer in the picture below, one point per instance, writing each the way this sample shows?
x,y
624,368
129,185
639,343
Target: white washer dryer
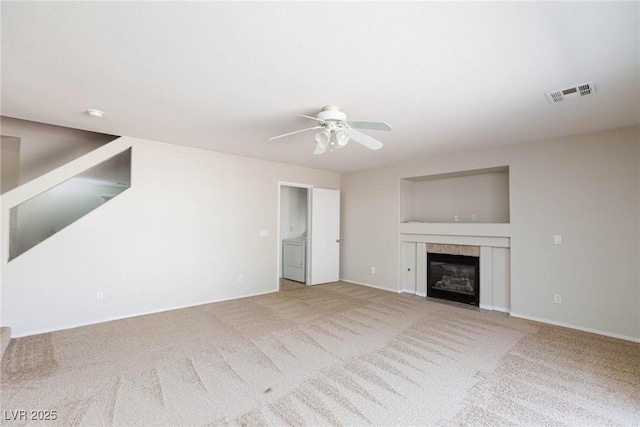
x,y
294,259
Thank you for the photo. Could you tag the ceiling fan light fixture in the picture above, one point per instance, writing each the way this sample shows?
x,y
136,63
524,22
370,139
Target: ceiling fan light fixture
x,y
342,137
323,137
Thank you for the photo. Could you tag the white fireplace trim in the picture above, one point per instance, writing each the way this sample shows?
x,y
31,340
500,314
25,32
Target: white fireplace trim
x,y
491,241
494,265
486,278
421,269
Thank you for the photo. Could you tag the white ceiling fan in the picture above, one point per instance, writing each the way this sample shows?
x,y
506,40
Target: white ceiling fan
x,y
337,130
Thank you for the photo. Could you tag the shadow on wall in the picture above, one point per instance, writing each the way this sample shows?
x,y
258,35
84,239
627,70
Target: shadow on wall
x,y
29,149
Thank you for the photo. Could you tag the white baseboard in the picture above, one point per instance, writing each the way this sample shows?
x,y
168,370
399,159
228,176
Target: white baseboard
x,y
397,291
494,308
109,319
413,292
576,327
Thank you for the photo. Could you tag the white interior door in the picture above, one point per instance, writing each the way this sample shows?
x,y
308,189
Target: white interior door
x,y
325,236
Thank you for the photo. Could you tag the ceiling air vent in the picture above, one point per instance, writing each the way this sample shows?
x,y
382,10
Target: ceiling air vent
x,y
570,93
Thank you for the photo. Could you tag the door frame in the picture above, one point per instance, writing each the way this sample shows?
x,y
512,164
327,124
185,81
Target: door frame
x,y
307,275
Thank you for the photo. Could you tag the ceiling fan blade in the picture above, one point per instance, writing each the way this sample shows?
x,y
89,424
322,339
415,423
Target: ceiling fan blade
x,y
312,118
298,131
365,140
369,125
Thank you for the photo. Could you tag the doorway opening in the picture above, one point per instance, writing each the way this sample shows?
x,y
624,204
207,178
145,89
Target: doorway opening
x,y
294,227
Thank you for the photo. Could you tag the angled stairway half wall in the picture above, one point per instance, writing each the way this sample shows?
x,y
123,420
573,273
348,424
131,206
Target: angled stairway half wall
x,y
40,208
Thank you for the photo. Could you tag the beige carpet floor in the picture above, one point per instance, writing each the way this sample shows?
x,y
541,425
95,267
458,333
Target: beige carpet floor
x,y
336,354
289,285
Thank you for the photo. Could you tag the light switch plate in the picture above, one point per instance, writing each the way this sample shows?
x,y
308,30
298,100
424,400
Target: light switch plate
x,y
557,239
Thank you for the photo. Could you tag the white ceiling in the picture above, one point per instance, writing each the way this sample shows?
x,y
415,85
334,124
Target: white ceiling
x,y
227,76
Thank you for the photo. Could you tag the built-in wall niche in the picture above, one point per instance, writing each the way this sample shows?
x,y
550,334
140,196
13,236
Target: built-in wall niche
x,y
474,196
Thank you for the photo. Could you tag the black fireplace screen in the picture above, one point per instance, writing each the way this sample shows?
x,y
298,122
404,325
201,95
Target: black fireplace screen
x,y
454,277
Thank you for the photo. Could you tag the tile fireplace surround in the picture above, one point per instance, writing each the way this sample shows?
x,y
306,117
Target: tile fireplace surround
x,y
437,248
490,242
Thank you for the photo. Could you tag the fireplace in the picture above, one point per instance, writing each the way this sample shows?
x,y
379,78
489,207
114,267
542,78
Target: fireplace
x,y
454,278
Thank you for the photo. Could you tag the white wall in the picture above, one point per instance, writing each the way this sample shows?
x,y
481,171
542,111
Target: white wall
x,y
180,236
45,147
586,188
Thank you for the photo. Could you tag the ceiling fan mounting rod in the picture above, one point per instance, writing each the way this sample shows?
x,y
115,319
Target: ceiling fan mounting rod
x,y
335,115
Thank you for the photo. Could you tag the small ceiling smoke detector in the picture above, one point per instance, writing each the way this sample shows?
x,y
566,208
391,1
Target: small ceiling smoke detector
x,y
95,113
570,93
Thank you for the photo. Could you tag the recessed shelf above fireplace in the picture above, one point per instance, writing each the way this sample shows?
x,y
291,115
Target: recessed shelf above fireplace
x,y
474,196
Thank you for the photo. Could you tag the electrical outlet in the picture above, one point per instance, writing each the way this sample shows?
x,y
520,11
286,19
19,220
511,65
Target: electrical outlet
x,y
264,233
241,278
99,295
456,218
557,298
373,270
474,217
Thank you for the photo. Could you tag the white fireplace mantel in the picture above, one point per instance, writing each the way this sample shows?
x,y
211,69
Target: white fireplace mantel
x,y
494,242
456,229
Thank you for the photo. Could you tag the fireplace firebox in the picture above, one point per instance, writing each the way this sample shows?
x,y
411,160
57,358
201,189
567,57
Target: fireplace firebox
x,y
454,278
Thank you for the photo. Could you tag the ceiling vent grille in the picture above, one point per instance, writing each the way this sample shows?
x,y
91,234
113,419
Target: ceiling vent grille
x,y
570,93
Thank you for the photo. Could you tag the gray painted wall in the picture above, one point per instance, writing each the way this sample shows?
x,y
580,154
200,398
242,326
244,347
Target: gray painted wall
x,y
9,163
46,147
180,236
585,188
